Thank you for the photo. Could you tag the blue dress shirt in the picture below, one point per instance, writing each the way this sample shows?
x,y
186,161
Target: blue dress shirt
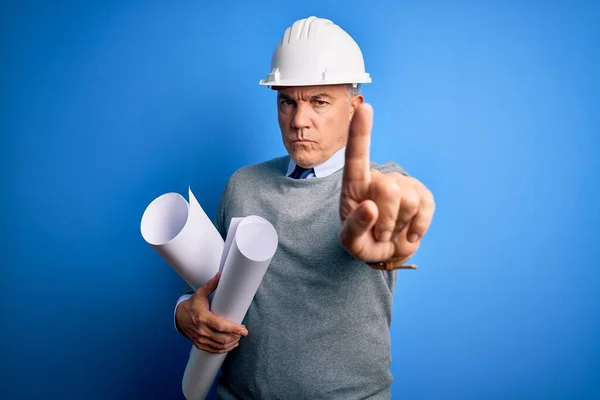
x,y
335,163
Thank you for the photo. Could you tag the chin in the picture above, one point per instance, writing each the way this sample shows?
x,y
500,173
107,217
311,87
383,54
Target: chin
x,y
302,159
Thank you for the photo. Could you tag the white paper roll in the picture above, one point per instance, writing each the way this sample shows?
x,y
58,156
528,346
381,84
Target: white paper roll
x,y
184,236
253,245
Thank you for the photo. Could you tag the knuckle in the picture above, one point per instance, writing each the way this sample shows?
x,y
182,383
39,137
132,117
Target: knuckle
x,y
379,187
389,200
420,225
195,308
201,340
220,340
428,199
403,179
195,317
231,347
393,190
425,194
414,181
419,228
189,306
411,201
203,333
228,339
202,321
200,344
219,326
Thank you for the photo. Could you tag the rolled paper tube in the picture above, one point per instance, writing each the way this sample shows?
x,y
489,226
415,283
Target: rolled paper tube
x,y
252,247
184,236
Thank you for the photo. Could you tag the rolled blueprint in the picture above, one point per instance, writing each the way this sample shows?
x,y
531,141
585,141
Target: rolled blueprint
x,y
184,236
253,245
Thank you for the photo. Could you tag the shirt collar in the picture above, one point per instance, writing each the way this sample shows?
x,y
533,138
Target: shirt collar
x,y
335,163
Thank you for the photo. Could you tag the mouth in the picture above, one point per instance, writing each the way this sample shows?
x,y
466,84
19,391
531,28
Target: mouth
x,y
301,141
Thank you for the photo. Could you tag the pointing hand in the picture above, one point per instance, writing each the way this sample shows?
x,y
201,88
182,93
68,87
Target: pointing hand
x,y
384,215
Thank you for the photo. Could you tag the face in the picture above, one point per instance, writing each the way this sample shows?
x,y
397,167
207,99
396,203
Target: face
x,y
314,121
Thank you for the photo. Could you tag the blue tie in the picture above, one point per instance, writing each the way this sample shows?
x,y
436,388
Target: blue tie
x,y
300,173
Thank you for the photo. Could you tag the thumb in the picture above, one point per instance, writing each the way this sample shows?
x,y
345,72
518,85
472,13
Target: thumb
x,y
360,221
209,287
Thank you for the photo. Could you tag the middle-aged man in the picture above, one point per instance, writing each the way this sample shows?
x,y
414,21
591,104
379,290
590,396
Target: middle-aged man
x,y
318,326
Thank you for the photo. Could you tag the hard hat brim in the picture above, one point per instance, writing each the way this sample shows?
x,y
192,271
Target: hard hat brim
x,y
303,82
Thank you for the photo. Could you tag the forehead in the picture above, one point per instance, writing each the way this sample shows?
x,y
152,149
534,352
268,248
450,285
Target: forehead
x,y
309,91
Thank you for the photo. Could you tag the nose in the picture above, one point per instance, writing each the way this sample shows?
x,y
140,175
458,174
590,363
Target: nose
x,y
301,118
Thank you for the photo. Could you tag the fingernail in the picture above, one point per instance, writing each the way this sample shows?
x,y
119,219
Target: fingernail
x,y
385,236
362,215
413,237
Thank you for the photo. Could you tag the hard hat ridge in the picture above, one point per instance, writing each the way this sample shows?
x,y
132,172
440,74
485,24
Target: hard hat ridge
x,y
315,51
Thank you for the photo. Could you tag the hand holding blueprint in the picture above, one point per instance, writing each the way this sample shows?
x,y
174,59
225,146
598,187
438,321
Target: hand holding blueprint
x,y
186,238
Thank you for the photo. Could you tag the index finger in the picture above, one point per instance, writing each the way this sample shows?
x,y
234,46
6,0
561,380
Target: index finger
x,y
357,167
223,325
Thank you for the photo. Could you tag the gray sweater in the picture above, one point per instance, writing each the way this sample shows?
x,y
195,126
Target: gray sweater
x,y
319,323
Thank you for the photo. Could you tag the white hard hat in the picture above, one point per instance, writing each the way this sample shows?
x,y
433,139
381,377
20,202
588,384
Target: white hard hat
x,y
315,51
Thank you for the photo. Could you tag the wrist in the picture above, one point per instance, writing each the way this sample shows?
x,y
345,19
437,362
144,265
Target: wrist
x,y
180,315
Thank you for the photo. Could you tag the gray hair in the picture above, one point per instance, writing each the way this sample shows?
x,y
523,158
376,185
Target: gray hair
x,y
353,89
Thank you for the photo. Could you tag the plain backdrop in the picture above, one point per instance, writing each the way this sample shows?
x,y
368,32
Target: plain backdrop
x,y
494,105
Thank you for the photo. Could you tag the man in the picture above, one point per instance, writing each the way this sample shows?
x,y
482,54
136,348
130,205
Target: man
x,y
318,327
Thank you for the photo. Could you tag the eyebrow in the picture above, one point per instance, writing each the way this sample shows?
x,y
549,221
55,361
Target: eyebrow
x,y
320,95
284,96
312,97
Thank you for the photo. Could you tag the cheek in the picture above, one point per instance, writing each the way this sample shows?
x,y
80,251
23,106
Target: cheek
x,y
283,123
281,119
332,129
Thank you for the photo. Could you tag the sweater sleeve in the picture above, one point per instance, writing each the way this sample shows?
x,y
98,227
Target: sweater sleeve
x,y
390,166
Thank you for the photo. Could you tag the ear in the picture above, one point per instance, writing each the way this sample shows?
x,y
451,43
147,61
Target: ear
x,y
354,103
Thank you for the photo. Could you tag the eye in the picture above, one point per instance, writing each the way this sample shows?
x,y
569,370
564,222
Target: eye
x,y
320,103
286,102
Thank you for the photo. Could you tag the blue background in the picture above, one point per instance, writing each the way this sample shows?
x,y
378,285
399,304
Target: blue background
x,y
493,105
